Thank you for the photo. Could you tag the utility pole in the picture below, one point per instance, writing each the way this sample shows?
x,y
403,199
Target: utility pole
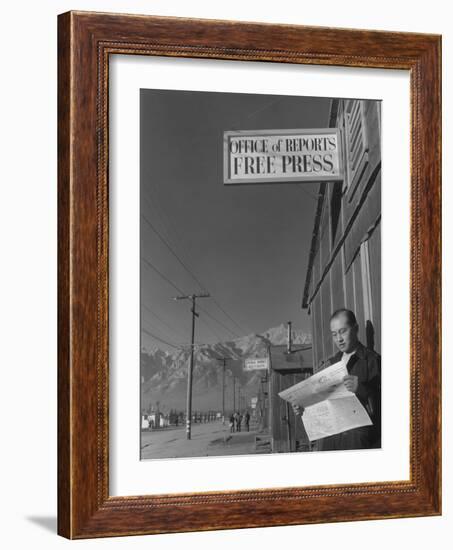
x,y
193,298
239,397
269,393
234,394
289,338
223,360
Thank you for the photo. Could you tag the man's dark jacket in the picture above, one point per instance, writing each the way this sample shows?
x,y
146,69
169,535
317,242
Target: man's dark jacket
x,y
366,365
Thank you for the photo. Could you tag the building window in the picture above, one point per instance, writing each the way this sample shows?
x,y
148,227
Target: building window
x,y
356,143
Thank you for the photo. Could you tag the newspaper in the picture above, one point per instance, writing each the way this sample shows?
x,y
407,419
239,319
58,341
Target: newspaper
x,y
329,408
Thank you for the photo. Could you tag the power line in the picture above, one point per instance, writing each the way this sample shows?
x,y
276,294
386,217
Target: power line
x,y
160,211
210,328
253,113
149,310
227,315
150,200
150,265
219,322
302,188
159,339
203,288
165,220
170,282
195,278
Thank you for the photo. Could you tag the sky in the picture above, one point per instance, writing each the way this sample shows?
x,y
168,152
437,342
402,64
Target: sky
x,y
246,245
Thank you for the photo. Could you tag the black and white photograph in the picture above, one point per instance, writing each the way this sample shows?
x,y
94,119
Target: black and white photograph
x,y
218,219
260,275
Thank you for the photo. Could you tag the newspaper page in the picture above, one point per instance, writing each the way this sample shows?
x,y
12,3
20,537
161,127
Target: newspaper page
x,y
329,408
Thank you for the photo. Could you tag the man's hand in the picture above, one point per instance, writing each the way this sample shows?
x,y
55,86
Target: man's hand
x,y
297,410
351,382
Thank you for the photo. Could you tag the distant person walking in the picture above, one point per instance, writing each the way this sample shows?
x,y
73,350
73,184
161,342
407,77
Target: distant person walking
x,y
247,420
238,422
231,423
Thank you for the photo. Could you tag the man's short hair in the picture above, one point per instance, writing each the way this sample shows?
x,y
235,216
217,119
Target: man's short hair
x,y
352,321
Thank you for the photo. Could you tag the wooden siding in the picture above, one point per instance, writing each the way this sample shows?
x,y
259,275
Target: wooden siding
x,y
288,433
342,276
375,262
338,298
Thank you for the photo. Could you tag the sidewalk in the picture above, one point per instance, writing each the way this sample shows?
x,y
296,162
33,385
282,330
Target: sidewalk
x,y
237,443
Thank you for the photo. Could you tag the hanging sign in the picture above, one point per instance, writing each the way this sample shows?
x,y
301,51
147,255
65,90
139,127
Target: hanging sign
x,y
291,156
256,364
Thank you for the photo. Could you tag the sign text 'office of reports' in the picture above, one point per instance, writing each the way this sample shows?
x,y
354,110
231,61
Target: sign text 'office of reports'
x,y
266,156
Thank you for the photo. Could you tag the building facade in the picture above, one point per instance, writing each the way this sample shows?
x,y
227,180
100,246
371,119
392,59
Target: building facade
x,y
344,267
287,369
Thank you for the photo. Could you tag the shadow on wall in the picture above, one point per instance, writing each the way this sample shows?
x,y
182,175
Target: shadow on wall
x,y
369,331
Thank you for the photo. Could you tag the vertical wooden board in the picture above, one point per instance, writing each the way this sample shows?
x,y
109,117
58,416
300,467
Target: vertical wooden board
x,y
275,425
338,298
373,203
300,435
375,196
375,270
351,244
309,288
349,300
366,218
336,213
347,273
326,312
325,235
315,270
317,336
358,294
286,380
374,137
313,335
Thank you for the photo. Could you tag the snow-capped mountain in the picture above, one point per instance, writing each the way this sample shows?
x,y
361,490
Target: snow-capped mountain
x,y
164,374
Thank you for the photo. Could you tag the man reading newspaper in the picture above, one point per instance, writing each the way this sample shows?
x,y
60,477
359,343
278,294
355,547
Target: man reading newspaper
x,y
363,379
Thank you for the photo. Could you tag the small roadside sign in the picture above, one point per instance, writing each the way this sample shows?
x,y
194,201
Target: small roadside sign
x,y
257,363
